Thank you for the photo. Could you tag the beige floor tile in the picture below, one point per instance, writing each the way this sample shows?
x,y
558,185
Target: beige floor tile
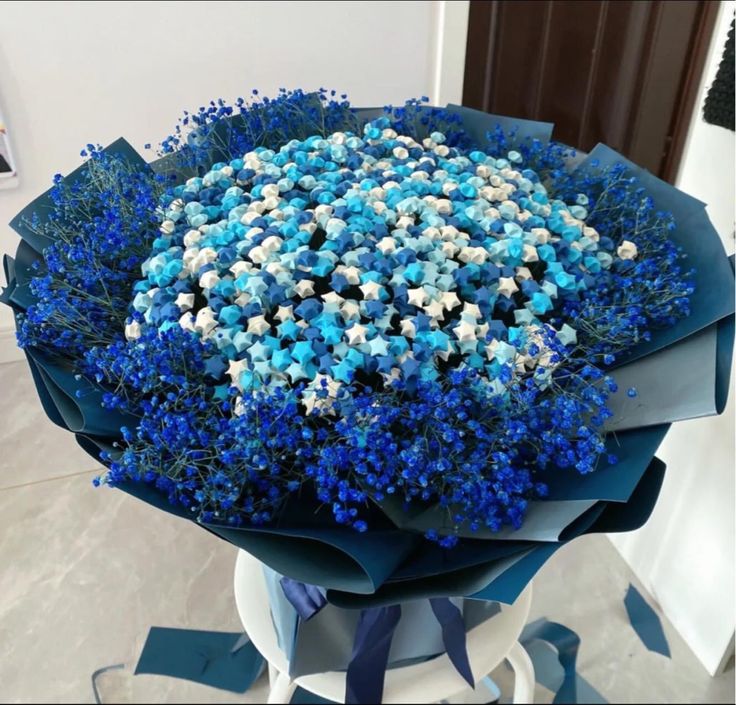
x,y
86,572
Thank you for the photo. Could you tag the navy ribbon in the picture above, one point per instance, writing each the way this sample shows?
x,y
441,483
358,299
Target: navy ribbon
x,y
567,643
307,600
373,636
453,636
367,667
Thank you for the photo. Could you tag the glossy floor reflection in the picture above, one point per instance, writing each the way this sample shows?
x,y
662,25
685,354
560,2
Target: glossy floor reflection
x,y
85,573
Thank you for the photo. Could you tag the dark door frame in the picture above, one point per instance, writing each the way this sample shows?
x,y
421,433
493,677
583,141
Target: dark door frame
x,y
483,28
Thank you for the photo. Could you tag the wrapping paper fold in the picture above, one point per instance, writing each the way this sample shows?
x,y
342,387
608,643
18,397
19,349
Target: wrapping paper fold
x,y
42,207
713,298
392,562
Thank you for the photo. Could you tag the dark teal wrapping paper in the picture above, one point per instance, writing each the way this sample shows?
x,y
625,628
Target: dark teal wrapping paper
x,y
392,562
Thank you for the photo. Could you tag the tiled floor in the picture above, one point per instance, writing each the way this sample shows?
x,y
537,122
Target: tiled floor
x,y
85,572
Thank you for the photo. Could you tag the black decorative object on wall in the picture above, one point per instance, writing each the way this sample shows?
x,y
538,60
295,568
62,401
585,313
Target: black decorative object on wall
x,y
719,103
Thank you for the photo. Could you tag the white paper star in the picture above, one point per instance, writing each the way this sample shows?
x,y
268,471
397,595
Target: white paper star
x,y
184,301
356,334
235,369
371,290
352,274
304,287
284,313
258,325
449,300
350,310
450,249
205,321
332,297
436,310
464,332
408,329
507,286
471,310
417,297
133,330
530,254
187,322
627,250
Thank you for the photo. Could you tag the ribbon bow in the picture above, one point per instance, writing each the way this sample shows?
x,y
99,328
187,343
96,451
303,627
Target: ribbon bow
x,y
366,671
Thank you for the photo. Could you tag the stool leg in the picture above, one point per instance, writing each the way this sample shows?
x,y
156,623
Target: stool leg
x,y
519,660
273,675
282,688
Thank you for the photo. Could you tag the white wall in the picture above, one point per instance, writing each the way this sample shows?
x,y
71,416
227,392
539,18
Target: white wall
x,y
684,555
73,73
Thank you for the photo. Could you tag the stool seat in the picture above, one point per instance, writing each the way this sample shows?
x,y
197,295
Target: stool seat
x,y
429,681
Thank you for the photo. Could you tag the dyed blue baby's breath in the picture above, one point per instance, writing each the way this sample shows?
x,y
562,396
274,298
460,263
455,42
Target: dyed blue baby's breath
x,y
467,439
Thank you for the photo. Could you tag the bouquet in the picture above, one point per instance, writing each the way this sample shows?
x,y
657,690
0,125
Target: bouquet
x,y
397,353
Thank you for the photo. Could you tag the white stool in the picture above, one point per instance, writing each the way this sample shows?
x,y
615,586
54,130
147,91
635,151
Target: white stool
x,y
427,682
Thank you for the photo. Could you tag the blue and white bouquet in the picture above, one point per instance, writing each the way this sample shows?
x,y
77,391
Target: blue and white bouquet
x,y
395,353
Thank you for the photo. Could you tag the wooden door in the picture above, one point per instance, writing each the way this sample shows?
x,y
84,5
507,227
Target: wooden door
x,y
619,72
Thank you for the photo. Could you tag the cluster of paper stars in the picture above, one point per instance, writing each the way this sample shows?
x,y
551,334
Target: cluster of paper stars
x,y
377,257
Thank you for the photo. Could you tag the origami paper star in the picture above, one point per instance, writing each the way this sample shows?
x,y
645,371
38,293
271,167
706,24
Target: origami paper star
x,y
371,290
417,297
507,286
258,325
343,371
289,329
414,273
235,369
356,334
567,335
332,297
259,352
378,346
304,288
296,372
205,321
215,367
352,274
435,310
302,352
185,301
350,310
281,359
255,286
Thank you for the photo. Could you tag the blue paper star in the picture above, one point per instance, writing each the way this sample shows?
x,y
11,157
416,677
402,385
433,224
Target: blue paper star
x,y
302,352
281,359
289,330
343,371
414,273
215,367
259,352
355,358
378,346
409,368
385,363
296,372
326,361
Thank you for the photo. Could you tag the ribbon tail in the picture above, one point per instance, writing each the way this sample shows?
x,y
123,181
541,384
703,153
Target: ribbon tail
x,y
306,599
367,668
453,636
567,643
